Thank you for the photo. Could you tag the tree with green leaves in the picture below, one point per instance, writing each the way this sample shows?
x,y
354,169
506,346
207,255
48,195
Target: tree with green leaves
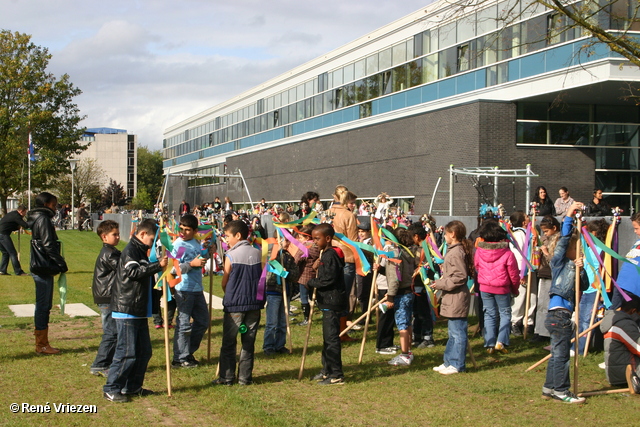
x,y
86,186
33,101
149,172
114,194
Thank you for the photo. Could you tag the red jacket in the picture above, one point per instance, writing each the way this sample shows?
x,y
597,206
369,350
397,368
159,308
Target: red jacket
x,y
497,268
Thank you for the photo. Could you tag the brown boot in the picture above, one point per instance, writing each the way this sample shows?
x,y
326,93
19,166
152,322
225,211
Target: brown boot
x,y
343,326
42,343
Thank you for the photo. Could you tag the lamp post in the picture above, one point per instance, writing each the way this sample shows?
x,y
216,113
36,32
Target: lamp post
x,y
72,164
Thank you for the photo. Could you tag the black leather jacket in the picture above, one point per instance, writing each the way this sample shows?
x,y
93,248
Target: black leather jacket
x,y
105,274
39,221
130,294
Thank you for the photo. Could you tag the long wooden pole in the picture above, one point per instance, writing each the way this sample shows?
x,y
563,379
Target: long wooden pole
x,y
595,393
285,297
577,308
306,339
165,290
375,306
366,323
547,357
594,310
525,322
210,303
471,356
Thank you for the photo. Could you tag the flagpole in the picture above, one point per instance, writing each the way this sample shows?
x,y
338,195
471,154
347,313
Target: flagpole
x,y
29,154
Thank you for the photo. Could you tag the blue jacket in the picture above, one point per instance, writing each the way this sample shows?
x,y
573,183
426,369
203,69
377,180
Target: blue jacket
x,y
242,293
563,270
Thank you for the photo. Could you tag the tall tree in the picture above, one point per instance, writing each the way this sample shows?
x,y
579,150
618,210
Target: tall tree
x,y
33,101
150,171
114,194
86,183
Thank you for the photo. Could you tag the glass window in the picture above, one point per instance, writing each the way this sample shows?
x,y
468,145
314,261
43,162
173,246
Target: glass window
x,y
373,84
300,110
534,34
318,105
270,120
466,28
337,99
372,64
508,43
284,116
410,54
323,82
327,99
277,101
387,83
509,10
418,42
359,69
486,50
293,113
348,73
616,114
300,92
432,34
528,9
447,35
270,102
361,91
285,97
349,94
486,20
532,110
337,77
447,60
308,108
570,113
415,73
385,59
365,110
399,53
309,89
463,62
430,68
292,95
400,81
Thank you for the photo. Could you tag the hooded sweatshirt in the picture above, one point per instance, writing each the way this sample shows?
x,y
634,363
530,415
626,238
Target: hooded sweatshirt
x,y
497,268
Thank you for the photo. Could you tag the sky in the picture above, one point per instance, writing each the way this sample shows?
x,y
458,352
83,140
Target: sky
x,y
144,65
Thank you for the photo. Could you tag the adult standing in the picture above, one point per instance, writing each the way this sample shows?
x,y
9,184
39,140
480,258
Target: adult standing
x,y
545,205
81,215
597,206
44,233
8,224
184,208
228,205
563,202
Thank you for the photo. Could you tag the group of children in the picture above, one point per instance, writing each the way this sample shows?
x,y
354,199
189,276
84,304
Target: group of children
x,y
123,284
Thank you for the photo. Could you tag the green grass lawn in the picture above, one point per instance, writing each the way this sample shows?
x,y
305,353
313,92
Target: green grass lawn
x,y
498,392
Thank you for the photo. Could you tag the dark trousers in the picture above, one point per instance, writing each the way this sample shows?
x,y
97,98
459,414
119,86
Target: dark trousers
x,y
558,322
422,320
331,346
230,326
44,301
387,322
133,352
107,347
363,290
171,305
9,252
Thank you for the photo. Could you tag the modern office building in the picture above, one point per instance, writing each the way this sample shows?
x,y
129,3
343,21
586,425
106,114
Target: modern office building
x,y
116,153
392,110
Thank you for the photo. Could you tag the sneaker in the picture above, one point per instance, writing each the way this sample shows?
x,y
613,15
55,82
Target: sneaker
x,y
401,360
184,364
356,327
632,380
449,370
245,382
386,350
99,372
283,350
305,322
23,274
141,392
572,353
2,273
440,368
602,365
501,348
220,381
293,308
516,330
427,343
319,377
116,397
269,353
332,381
491,350
547,393
567,397
192,359
159,326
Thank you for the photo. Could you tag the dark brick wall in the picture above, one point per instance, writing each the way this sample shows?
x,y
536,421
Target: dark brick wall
x,y
406,157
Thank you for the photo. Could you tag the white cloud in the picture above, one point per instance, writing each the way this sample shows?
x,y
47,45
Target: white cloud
x,y
144,65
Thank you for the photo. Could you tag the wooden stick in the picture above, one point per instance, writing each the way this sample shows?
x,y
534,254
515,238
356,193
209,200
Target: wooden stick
x,y
577,309
306,339
547,357
210,305
165,290
473,359
368,314
594,310
376,305
285,297
595,393
375,285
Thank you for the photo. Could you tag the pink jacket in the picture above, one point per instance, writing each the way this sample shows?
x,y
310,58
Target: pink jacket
x,y
497,268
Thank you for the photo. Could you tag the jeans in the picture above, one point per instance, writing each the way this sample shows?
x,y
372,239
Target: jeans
x,y
304,294
133,352
230,325
157,317
44,301
404,311
331,346
9,252
422,320
586,306
384,337
456,350
494,306
275,329
558,322
107,347
188,336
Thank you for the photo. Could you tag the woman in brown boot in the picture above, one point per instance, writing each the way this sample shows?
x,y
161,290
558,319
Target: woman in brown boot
x,y
49,263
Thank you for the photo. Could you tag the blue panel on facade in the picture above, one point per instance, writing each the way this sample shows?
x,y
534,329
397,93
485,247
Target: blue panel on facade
x,y
375,108
297,128
481,78
414,97
465,83
384,104
532,65
446,88
429,92
560,57
352,114
398,101
514,70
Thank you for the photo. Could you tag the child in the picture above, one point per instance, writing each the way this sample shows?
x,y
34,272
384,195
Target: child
x,y
275,329
498,278
363,283
422,320
622,344
305,267
189,295
332,300
400,296
564,262
242,303
104,278
130,307
454,301
519,221
629,277
550,228
384,335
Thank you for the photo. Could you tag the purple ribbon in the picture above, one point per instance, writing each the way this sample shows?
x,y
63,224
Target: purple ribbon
x,y
262,283
589,240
